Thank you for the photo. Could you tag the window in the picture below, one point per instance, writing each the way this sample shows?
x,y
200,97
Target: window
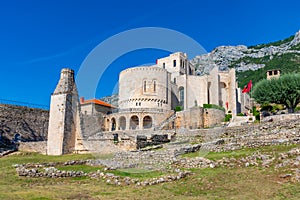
x,y
154,86
174,63
140,103
270,73
275,72
164,65
175,80
145,86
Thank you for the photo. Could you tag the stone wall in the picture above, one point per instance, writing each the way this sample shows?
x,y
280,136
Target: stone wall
x,y
191,119
30,123
39,147
213,117
198,117
92,124
277,118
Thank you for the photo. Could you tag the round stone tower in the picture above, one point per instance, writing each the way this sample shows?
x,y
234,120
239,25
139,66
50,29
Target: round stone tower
x,y
145,88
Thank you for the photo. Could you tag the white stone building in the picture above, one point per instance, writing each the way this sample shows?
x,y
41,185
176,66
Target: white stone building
x,y
148,95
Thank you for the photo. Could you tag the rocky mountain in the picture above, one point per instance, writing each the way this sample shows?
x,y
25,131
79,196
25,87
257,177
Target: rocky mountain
x,y
251,63
113,99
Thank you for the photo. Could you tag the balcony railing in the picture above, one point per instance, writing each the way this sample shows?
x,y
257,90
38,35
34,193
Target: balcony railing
x,y
153,110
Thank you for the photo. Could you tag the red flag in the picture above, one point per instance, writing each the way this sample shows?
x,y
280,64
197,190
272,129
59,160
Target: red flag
x,y
248,87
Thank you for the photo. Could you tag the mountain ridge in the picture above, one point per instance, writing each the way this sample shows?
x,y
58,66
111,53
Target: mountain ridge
x,y
251,63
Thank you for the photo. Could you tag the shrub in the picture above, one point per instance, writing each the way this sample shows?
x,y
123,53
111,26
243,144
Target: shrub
x,y
213,106
178,108
240,114
228,117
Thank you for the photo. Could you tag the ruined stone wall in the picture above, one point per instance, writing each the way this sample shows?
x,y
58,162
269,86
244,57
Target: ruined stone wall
x,y
30,123
92,124
212,117
191,119
39,147
198,117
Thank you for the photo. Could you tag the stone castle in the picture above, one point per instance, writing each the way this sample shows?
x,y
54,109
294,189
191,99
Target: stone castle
x,y
148,98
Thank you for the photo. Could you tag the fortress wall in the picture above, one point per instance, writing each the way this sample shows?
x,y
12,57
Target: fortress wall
x,y
30,123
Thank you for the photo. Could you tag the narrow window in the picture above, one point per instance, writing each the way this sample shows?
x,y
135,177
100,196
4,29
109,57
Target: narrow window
x,y
175,80
136,104
164,65
140,104
154,86
145,86
174,63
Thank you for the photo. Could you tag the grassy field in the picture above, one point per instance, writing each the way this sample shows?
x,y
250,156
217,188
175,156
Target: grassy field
x,y
217,183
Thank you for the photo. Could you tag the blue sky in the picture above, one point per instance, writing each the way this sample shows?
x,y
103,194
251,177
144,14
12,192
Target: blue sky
x,y
38,38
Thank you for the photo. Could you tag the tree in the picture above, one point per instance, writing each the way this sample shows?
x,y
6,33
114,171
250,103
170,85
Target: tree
x,y
284,90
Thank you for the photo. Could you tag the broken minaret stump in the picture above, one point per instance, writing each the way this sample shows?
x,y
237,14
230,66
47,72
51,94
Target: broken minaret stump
x,y
64,122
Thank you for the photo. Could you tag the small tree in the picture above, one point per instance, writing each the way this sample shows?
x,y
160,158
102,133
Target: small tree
x,y
284,90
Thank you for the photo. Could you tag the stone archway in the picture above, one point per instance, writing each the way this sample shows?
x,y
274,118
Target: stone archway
x,y
147,122
222,94
134,122
122,123
113,124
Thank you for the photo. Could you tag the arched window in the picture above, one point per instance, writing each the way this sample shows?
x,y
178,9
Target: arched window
x,y
147,122
113,124
164,65
174,63
134,122
122,123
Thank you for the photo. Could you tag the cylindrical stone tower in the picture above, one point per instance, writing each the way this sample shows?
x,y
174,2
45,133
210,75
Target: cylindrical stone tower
x,y
145,88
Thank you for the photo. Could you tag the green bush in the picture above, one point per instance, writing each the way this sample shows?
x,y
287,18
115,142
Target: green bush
x,y
240,114
256,113
228,117
266,107
178,108
213,106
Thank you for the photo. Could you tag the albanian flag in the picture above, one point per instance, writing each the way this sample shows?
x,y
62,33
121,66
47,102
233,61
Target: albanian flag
x,y
248,87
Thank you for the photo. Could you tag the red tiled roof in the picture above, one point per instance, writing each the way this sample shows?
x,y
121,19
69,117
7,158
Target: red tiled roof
x,y
98,102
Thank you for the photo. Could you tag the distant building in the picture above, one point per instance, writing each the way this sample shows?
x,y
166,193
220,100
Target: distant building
x,y
95,106
274,73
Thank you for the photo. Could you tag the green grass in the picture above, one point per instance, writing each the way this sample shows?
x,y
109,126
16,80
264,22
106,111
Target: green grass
x,y
218,183
84,168
241,153
137,173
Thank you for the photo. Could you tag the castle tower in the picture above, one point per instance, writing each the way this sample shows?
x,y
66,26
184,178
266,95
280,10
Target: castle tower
x,y
64,122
